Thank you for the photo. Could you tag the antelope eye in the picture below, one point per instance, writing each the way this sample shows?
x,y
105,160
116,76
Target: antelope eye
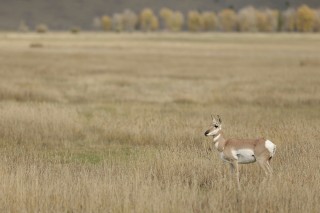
x,y
216,126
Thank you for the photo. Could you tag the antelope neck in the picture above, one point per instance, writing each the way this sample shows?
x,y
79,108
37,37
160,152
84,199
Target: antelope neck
x,y
219,141
216,137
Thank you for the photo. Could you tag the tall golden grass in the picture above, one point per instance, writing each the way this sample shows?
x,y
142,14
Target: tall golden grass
x,y
115,123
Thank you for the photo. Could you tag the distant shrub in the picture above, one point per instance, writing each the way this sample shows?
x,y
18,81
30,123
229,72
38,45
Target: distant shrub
x,y
228,20
106,23
210,21
195,21
148,21
42,28
306,19
36,45
75,30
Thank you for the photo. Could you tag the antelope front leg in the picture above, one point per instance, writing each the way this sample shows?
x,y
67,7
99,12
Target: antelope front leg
x,y
231,174
236,168
231,169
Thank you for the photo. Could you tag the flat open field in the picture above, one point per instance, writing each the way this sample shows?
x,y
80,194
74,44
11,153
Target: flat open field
x,y
115,122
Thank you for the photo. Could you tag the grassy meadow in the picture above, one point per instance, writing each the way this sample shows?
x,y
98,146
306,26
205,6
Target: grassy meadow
x,y
114,122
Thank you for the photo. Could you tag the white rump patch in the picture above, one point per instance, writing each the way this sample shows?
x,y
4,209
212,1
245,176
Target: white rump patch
x,y
271,147
244,156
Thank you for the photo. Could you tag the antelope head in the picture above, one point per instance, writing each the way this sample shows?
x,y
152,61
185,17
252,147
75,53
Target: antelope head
x,y
215,127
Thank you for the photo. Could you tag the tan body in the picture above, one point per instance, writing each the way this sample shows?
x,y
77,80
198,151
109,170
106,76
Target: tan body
x,y
228,149
242,151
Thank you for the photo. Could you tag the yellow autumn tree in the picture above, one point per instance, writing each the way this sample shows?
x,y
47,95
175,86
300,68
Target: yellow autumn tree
x,y
172,20
306,19
148,21
247,19
106,23
117,22
317,22
96,23
154,26
129,19
166,15
209,21
228,20
195,21
176,21
267,20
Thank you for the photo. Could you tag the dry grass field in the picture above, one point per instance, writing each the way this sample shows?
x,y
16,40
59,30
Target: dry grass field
x,y
115,122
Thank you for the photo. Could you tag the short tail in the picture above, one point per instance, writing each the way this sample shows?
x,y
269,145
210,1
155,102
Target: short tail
x,y
274,150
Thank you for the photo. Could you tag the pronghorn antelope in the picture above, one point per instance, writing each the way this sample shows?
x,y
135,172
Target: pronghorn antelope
x,y
241,151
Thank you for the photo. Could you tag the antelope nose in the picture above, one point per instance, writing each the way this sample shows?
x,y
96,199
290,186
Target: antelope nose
x,y
207,132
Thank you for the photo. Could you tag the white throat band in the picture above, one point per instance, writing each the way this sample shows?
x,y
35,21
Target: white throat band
x,y
215,139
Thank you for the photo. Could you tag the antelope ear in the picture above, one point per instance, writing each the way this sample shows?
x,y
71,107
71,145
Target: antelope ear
x,y
219,119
